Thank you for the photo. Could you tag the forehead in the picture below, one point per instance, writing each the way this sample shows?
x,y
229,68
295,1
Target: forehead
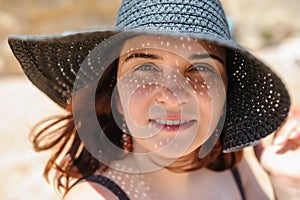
x,y
179,45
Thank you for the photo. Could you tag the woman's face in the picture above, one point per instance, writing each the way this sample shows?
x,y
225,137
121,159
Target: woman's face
x,y
171,92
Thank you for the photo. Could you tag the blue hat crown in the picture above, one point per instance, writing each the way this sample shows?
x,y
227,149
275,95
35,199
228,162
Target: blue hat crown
x,y
179,16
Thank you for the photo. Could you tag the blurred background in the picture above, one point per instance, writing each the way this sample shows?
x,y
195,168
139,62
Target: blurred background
x,y
268,28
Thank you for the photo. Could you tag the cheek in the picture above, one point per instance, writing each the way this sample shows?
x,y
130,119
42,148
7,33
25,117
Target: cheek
x,y
210,89
138,106
136,103
202,92
211,99
205,114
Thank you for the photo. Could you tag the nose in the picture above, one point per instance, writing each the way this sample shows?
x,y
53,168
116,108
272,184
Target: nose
x,y
173,97
174,90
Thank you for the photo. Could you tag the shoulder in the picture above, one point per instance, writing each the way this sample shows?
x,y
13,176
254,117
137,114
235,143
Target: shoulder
x,y
251,186
89,190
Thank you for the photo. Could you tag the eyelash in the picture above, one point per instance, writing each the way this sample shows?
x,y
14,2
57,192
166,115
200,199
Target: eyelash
x,y
146,67
199,67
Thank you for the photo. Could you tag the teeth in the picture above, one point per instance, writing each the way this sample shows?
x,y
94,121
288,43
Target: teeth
x,y
171,122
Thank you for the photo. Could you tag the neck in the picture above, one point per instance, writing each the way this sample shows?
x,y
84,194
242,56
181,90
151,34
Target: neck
x,y
166,180
147,161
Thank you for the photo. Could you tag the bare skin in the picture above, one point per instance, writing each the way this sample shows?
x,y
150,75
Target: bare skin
x,y
201,183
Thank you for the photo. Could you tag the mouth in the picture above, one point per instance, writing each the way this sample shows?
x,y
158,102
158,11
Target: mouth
x,y
172,125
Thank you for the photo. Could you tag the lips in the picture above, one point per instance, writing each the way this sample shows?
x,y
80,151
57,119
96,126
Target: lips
x,y
172,125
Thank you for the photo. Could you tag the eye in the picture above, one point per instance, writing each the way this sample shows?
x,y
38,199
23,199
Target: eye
x,y
146,67
201,68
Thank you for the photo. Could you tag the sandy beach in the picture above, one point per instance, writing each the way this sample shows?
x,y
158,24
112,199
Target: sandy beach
x,y
21,168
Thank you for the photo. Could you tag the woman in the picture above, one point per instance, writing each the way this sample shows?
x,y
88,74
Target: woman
x,y
160,108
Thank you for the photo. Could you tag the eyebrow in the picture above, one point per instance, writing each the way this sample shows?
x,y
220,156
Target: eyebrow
x,y
156,57
202,56
143,55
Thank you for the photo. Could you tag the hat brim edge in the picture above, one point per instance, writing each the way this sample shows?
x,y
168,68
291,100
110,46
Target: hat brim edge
x,y
14,40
